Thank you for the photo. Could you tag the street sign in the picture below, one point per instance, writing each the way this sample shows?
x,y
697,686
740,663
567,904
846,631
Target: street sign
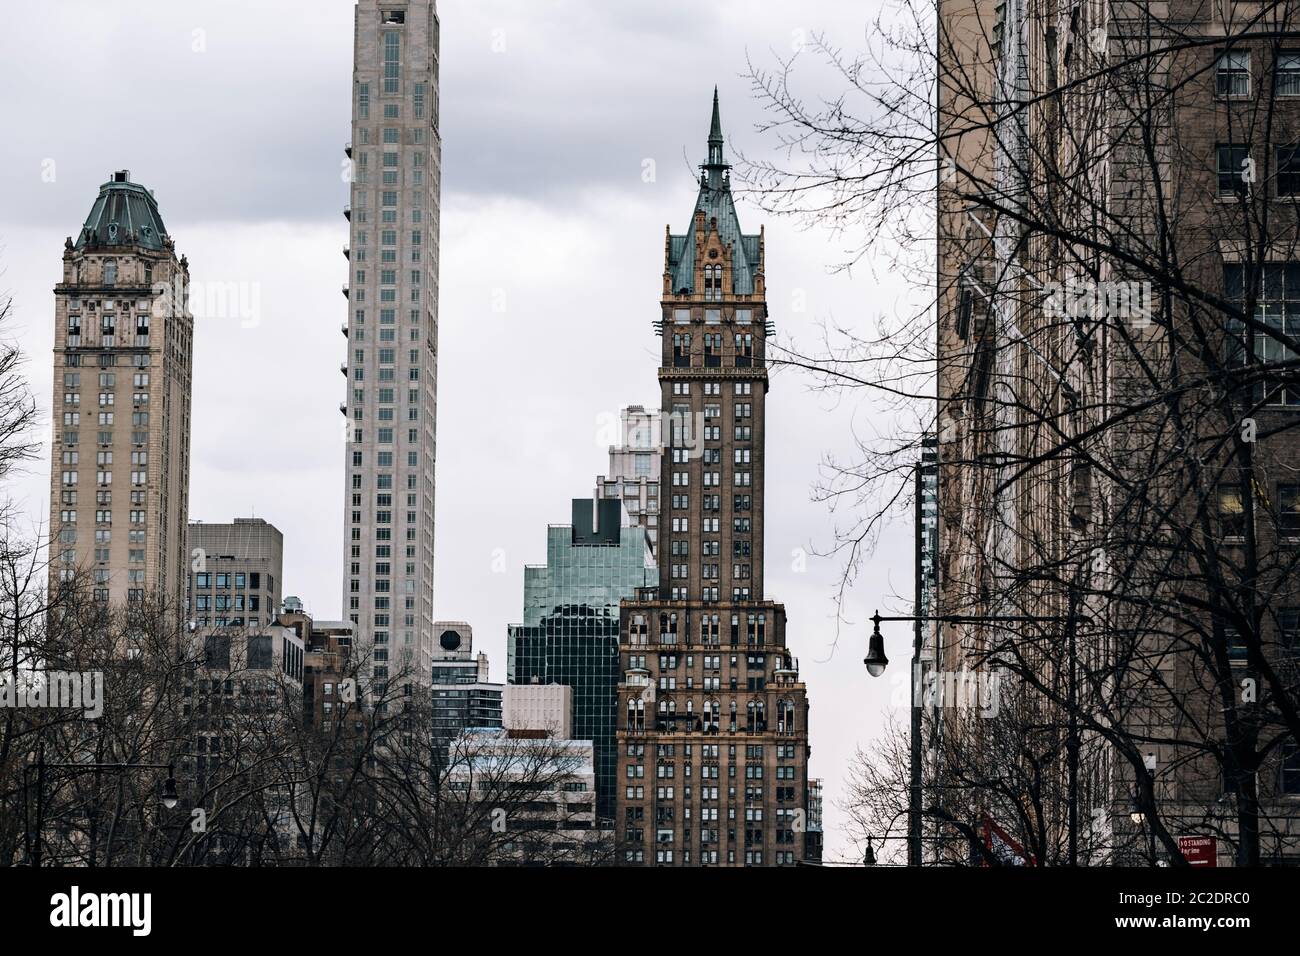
x,y
1199,850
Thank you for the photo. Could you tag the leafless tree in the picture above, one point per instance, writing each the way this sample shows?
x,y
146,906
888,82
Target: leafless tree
x,y
1108,200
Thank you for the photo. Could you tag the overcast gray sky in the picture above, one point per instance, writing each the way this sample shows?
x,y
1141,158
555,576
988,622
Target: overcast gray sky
x,y
235,113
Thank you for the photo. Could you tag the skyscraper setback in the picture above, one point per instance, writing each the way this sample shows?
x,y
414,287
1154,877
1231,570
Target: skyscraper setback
x,y
392,334
123,347
713,719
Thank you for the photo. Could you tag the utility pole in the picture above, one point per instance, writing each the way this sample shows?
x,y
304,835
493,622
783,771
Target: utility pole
x,y
914,797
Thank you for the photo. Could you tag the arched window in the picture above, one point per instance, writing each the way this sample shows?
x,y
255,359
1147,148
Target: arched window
x,y
754,715
712,715
681,350
785,716
668,629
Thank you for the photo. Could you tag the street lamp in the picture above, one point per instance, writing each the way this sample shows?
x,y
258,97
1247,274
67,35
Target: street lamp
x,y
169,795
168,798
876,660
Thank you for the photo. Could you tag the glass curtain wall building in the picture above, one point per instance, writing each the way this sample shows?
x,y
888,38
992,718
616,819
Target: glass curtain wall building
x,y
570,630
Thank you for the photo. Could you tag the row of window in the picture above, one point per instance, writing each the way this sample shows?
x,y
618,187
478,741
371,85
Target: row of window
x,y
681,547
711,715
1232,73
712,388
710,857
1285,510
683,352
237,579
713,316
1237,171
73,419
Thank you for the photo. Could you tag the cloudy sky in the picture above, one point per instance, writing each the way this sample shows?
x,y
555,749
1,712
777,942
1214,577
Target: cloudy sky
x,y
235,113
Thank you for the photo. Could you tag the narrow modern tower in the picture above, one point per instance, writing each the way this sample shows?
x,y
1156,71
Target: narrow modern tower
x,y
123,346
392,334
713,719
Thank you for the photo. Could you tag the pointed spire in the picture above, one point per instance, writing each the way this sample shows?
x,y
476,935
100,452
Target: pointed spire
x,y
716,164
715,128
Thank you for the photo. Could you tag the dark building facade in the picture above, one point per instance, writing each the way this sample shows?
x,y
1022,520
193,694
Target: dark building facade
x,y
713,719
570,630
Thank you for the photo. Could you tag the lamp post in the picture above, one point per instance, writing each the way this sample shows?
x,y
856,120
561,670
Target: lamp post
x,y
876,662
168,797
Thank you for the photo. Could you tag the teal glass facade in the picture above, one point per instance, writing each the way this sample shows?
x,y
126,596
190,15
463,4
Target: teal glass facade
x,y
570,629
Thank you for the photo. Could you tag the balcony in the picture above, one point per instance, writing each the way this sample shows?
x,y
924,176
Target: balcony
x,y
343,408
343,367
344,329
347,212
346,292
347,253
347,150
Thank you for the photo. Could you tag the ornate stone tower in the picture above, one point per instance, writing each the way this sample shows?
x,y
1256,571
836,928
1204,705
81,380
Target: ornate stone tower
x,y
713,732
123,347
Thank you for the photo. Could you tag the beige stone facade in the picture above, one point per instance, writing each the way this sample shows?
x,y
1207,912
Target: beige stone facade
x,y
120,469
392,332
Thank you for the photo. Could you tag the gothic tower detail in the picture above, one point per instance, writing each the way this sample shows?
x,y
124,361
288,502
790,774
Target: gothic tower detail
x,y
713,732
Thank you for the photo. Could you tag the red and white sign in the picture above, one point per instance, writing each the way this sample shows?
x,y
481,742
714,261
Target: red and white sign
x,y
1003,846
1199,850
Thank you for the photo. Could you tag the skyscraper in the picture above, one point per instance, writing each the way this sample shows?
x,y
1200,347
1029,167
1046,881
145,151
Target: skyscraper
x,y
633,476
570,629
123,345
713,719
392,335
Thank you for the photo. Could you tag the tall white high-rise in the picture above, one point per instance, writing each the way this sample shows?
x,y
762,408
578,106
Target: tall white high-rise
x,y
392,334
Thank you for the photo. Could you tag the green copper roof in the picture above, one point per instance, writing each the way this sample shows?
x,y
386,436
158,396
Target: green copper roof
x,y
124,214
715,199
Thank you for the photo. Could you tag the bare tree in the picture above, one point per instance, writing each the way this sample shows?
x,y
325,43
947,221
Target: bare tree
x,y
1099,209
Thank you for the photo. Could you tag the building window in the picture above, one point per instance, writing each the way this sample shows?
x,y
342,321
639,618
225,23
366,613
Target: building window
x,y
712,350
1279,287
1231,162
1288,170
744,349
1288,624
1290,776
1288,510
1232,73
1287,81
392,61
1231,511
681,350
